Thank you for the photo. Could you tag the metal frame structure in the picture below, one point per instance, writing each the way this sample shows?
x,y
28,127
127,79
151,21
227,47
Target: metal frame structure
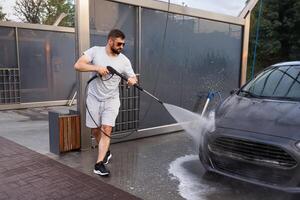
x,y
37,27
182,10
82,33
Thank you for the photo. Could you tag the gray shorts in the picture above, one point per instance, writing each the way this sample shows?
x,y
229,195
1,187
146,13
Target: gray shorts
x,y
103,112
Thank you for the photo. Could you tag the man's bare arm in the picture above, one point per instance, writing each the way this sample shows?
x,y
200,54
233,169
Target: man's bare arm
x,y
83,65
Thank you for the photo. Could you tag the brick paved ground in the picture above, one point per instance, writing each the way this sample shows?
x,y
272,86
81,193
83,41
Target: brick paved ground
x,y
25,174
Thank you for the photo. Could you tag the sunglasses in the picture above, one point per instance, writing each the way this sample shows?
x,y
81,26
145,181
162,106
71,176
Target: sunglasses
x,y
120,44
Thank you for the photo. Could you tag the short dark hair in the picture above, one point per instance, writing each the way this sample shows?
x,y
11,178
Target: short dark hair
x,y
116,33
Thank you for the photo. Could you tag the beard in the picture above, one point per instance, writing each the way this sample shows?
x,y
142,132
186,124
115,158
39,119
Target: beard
x,y
116,51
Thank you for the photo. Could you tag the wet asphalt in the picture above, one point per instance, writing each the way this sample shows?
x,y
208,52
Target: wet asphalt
x,y
140,167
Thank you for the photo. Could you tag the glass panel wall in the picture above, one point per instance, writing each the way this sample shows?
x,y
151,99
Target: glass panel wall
x,y
46,65
105,16
196,56
8,52
9,73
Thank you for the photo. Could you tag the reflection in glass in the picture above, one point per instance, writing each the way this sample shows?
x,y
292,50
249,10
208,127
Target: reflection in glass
x,y
60,13
8,58
277,83
46,65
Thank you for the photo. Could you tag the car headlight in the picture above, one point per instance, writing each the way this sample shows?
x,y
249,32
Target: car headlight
x,y
298,145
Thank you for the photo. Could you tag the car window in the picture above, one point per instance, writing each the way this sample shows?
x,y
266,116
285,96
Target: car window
x,y
288,86
294,91
275,83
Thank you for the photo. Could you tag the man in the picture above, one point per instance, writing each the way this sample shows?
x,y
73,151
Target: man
x,y
103,94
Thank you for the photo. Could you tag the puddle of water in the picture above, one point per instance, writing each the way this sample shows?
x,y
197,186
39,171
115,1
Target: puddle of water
x,y
196,126
190,186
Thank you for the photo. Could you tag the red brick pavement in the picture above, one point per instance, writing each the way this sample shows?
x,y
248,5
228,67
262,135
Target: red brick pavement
x,y
26,175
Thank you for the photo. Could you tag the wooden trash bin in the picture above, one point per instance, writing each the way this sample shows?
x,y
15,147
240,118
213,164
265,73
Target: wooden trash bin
x,y
64,132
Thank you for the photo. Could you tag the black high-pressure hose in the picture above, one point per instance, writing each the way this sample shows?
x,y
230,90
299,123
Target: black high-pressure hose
x,y
114,72
87,108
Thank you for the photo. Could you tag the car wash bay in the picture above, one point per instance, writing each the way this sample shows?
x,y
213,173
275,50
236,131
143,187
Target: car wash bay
x,y
201,50
160,167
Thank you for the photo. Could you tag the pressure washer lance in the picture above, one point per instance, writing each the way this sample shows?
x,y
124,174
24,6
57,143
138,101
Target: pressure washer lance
x,y
113,71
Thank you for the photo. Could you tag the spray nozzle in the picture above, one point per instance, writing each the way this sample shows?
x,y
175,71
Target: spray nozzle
x,y
210,95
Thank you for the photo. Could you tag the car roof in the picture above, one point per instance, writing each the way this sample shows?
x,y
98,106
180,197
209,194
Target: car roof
x,y
286,63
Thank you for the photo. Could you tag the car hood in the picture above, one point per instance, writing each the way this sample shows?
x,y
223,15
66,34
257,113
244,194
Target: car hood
x,y
278,118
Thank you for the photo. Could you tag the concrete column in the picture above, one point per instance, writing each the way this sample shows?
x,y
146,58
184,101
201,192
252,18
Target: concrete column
x,y
82,34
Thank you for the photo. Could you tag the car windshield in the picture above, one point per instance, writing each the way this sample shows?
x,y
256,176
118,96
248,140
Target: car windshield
x,y
281,83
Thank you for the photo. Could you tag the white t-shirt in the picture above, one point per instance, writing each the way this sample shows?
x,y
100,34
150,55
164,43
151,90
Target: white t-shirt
x,y
104,88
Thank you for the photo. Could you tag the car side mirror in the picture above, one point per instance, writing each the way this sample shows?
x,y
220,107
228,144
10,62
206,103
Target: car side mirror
x,y
234,91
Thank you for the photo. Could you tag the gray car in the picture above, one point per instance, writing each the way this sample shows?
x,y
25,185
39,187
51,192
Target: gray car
x,y
257,134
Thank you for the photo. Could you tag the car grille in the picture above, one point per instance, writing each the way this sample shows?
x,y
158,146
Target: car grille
x,y
251,171
253,151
